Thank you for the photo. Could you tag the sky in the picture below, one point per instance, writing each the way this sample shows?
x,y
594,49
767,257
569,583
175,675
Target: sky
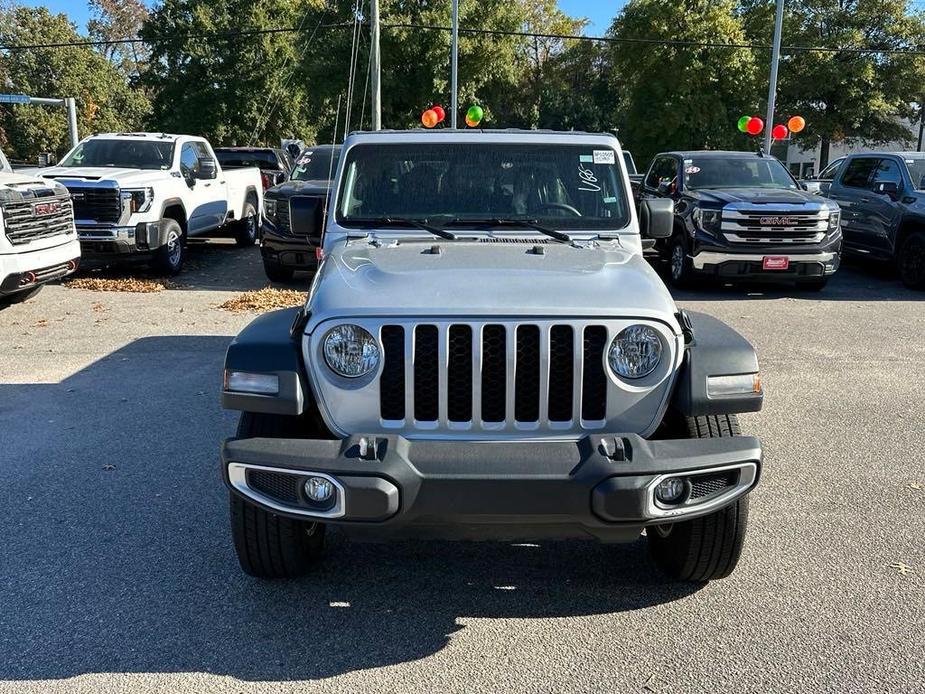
x,y
600,12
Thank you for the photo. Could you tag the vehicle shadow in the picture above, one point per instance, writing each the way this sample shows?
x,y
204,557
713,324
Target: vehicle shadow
x,y
117,557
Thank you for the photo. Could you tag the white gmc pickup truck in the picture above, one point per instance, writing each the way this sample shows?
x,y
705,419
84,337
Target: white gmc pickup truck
x,y
139,196
37,238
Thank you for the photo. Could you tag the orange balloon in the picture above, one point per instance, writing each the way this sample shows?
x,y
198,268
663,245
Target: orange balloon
x,y
796,124
472,123
430,118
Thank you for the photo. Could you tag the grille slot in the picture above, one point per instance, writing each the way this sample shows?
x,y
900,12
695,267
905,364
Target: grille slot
x,y
96,204
713,483
426,378
459,376
561,372
277,485
527,374
21,225
494,372
392,381
594,380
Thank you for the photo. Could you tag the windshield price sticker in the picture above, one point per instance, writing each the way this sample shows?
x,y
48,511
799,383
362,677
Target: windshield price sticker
x,y
586,158
305,158
692,170
610,201
604,156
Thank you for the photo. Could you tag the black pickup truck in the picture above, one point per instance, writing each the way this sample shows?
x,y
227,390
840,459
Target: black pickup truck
x,y
882,196
741,215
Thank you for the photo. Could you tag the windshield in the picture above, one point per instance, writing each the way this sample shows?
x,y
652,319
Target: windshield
x,y
4,164
316,164
917,172
123,153
736,172
561,186
235,159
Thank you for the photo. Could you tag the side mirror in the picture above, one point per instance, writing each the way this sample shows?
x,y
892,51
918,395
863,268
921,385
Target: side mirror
x,y
306,218
208,169
803,186
888,188
656,218
664,187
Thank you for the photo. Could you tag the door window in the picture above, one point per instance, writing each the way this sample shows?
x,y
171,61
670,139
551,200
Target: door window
x,y
860,173
828,173
664,170
888,172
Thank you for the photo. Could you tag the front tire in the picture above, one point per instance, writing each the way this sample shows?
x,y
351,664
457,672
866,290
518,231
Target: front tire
x,y
169,258
706,548
910,261
269,545
246,229
680,268
276,272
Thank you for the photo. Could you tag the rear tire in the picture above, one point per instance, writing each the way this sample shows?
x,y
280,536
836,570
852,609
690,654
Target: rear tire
x,y
169,258
277,273
910,261
709,547
269,545
246,229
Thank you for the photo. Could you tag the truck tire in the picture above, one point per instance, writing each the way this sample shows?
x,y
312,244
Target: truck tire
x,y
709,547
680,269
910,261
245,232
276,272
269,545
168,259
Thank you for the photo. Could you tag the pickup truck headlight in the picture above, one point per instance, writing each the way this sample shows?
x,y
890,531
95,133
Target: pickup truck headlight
x,y
710,221
269,208
635,352
350,351
834,219
140,199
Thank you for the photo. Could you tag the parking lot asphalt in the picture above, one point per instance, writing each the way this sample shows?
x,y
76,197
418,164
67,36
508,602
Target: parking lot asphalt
x,y
117,572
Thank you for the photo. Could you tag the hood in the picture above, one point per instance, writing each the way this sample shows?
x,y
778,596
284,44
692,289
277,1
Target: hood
x,y
472,278
290,188
18,179
103,173
757,196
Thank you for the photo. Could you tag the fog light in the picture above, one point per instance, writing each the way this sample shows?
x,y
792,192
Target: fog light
x,y
670,490
319,489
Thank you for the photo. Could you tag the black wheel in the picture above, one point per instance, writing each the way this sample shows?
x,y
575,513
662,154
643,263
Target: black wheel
x,y
276,272
910,261
168,259
680,267
20,297
705,548
269,545
245,233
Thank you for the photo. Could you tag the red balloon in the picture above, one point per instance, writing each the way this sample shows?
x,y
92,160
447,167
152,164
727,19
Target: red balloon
x,y
441,114
779,132
755,126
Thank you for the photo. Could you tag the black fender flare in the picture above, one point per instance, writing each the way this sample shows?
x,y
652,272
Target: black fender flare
x,y
713,349
270,344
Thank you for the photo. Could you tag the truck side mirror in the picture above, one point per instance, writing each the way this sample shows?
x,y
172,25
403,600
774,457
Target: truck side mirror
x,y
888,188
208,169
306,218
656,218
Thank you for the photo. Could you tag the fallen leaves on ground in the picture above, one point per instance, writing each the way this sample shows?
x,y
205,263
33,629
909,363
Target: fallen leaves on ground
x,y
901,568
263,300
121,284
915,485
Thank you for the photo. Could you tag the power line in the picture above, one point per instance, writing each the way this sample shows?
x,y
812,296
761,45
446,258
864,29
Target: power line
x,y
238,33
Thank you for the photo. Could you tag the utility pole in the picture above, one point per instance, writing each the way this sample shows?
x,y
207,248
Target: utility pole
x,y
772,88
375,66
454,68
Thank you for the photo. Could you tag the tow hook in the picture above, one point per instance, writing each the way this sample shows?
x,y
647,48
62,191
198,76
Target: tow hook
x,y
369,448
613,449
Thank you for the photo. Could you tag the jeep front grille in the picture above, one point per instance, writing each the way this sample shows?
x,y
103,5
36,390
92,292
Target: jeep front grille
x,y
494,373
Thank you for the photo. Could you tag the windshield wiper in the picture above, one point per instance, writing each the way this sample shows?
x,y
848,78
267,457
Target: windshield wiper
x,y
405,221
512,221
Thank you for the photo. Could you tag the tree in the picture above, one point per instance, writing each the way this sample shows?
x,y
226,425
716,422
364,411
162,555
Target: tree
x,y
680,96
114,20
845,96
105,102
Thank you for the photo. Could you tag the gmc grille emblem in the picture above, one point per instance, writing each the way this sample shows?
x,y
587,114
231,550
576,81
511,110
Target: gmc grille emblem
x,y
778,221
43,209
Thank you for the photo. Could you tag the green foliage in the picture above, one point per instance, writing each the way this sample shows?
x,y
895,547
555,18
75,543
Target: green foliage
x,y
105,102
680,97
853,97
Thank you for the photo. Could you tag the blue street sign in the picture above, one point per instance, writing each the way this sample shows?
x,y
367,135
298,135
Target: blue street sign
x,y
14,99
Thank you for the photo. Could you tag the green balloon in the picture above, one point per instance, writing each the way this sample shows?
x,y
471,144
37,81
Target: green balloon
x,y
743,123
475,113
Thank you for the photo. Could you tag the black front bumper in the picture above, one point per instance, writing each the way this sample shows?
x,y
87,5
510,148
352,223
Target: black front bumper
x,y
288,251
600,486
745,261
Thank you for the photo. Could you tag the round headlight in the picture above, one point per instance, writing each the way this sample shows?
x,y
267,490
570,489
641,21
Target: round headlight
x,y
350,351
635,352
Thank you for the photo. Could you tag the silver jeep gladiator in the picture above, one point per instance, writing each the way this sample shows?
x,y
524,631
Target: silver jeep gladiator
x,y
485,354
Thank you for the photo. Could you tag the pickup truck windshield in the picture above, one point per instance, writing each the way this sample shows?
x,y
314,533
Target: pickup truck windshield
x,y
315,164
121,153
562,186
736,172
